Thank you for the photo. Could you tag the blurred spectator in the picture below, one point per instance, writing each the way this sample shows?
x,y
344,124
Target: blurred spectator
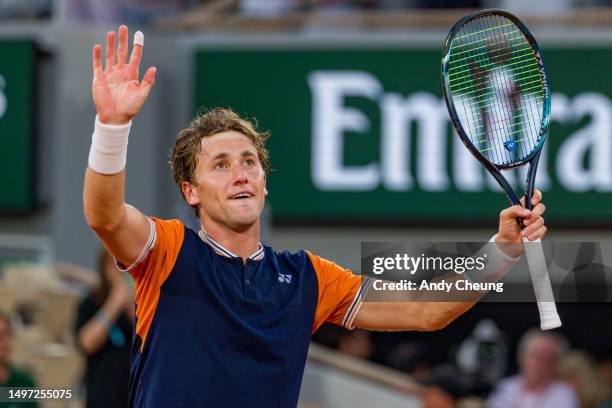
x,y
24,9
605,374
537,385
579,370
268,8
9,375
125,11
449,4
355,343
541,7
340,5
443,389
605,368
104,333
411,358
483,356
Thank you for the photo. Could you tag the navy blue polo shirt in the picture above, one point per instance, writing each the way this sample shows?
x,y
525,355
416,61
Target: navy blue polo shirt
x,y
213,331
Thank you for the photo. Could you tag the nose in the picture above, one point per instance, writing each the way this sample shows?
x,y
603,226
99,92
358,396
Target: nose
x,y
239,175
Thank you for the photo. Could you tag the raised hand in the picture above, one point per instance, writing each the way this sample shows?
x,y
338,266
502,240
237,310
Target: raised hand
x,y
509,230
117,93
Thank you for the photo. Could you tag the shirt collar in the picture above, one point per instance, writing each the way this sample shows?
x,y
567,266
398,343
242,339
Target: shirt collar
x,y
221,250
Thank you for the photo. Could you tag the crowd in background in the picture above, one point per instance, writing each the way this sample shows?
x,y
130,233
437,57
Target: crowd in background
x,y
147,11
542,370
492,356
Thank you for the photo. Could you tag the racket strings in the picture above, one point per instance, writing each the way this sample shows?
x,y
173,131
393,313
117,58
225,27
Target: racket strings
x,y
495,80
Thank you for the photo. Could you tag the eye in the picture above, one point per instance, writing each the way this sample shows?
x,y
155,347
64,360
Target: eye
x,y
220,165
249,162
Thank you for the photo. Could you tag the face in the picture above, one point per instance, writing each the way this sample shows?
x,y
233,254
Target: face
x,y
5,338
539,361
230,184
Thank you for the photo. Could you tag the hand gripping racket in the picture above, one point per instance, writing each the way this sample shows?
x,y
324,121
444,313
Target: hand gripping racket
x,y
498,96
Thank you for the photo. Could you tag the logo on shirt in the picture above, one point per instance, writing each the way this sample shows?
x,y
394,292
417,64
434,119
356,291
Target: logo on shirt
x,y
284,278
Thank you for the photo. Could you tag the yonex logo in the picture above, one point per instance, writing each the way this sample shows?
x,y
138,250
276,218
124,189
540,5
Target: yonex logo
x,y
284,278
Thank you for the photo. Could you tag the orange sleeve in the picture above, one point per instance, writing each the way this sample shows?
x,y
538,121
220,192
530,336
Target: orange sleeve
x,y
339,293
154,269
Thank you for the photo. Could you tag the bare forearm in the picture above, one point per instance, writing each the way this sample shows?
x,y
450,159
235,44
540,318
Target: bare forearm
x,y
103,199
437,315
93,335
420,309
407,310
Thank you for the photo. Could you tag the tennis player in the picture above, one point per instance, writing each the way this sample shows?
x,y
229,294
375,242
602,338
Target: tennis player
x,y
221,319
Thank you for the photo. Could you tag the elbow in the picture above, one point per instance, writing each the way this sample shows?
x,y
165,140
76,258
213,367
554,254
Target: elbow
x,y
84,344
436,323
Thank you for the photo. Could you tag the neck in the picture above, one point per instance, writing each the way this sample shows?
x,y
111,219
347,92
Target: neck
x,y
536,385
243,243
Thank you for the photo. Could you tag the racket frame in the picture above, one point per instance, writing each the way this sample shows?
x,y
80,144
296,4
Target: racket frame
x,y
534,155
549,318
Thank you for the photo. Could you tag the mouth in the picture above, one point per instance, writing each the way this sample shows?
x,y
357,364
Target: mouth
x,y
241,196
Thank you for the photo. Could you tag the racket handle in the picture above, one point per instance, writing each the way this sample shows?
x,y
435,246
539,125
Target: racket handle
x,y
549,318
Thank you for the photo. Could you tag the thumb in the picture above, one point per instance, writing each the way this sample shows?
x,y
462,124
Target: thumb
x,y
510,214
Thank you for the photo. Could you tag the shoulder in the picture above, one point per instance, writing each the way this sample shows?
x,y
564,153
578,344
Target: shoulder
x,y
167,233
168,224
563,390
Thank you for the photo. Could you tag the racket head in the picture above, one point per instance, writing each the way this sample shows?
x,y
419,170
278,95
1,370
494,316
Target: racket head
x,y
496,88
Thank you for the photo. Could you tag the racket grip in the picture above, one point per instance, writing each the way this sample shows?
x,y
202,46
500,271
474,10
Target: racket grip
x,y
549,318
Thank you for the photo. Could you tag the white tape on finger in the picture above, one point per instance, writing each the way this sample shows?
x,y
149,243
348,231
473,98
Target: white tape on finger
x,y
139,38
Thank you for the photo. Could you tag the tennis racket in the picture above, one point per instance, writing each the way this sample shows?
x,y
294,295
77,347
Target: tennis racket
x,y
498,96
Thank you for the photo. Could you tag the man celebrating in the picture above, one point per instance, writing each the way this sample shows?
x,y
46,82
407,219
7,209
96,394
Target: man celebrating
x,y
222,320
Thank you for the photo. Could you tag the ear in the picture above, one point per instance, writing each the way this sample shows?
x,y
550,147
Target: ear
x,y
190,193
265,185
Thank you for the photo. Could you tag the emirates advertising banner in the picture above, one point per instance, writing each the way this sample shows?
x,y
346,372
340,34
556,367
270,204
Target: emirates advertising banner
x,y
363,134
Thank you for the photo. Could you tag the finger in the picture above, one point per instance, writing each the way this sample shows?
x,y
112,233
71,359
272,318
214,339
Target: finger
x,y
110,49
147,82
538,210
539,234
137,50
97,59
536,198
511,213
122,49
533,227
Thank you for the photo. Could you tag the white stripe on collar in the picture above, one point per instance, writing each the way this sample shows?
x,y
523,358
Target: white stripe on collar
x,y
221,250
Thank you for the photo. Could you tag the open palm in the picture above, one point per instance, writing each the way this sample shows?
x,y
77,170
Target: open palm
x,y
117,93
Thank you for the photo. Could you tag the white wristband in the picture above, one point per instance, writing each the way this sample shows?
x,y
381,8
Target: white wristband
x,y
109,147
498,264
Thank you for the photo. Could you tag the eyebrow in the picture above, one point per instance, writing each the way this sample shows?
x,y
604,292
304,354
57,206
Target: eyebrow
x,y
223,155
